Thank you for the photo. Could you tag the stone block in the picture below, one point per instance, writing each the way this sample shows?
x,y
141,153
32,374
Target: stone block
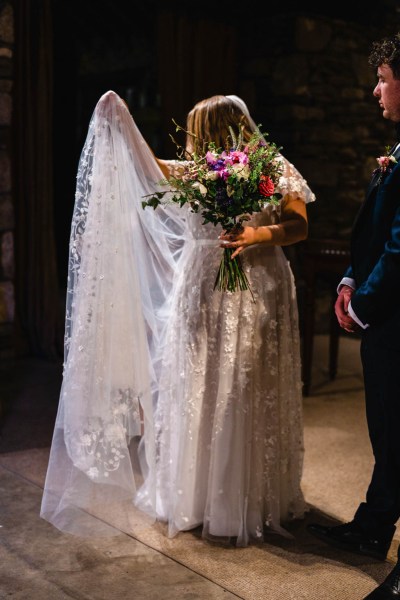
x,y
369,165
349,153
6,212
290,72
257,67
7,255
362,132
5,67
6,85
6,302
312,35
365,74
5,109
5,137
320,172
7,23
307,113
5,173
353,93
7,349
6,52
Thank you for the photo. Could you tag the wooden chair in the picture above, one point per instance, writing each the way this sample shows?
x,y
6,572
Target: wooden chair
x,y
324,259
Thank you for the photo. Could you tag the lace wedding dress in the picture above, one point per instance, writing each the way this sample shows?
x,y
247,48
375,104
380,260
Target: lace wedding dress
x,y
179,400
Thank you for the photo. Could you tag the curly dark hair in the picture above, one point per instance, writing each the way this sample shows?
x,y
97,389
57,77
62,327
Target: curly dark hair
x,y
387,52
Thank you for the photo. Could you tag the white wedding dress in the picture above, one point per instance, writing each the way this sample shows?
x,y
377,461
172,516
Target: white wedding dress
x,y
179,400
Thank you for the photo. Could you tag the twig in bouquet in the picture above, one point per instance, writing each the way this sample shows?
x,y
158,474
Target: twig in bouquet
x,y
184,153
236,142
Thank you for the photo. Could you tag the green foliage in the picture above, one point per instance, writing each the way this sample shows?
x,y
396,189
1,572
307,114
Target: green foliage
x,y
224,184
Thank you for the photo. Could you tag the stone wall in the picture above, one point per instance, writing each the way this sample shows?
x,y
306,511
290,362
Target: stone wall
x,y
6,204
309,83
305,78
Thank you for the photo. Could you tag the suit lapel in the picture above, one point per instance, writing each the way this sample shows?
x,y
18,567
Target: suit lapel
x,y
373,186
397,153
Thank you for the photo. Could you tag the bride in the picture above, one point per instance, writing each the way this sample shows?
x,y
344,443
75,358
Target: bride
x,y
178,402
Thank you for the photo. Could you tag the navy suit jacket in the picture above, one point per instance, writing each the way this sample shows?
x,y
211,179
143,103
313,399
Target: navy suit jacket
x,y
375,256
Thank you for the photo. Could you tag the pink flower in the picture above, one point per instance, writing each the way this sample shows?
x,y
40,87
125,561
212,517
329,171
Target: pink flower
x,y
384,161
238,157
211,158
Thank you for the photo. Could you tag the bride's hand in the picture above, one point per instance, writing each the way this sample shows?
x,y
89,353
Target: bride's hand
x,y
240,240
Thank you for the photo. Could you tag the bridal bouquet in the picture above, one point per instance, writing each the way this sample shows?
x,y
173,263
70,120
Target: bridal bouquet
x,y
226,186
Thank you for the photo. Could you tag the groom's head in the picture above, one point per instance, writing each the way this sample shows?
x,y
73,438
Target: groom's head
x,y
385,56
387,52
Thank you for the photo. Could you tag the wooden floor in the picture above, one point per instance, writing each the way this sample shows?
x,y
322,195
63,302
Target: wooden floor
x,y
38,562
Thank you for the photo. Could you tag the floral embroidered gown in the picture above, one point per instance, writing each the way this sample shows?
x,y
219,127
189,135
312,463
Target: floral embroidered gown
x,y
229,417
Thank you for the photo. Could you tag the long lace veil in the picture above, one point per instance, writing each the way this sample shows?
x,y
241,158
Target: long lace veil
x,y
121,273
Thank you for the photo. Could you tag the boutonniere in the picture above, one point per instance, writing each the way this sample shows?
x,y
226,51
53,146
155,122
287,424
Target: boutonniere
x,y
386,164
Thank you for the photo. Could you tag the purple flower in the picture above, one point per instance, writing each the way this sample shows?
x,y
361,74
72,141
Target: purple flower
x,y
224,174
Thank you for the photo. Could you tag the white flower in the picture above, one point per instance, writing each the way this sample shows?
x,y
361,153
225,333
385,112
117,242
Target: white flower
x,y
114,432
241,171
199,186
93,472
86,439
212,175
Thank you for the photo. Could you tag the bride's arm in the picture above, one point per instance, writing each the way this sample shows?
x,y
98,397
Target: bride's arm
x,y
169,168
163,164
292,228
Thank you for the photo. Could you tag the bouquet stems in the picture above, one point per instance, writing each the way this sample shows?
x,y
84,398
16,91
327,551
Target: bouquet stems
x,y
231,276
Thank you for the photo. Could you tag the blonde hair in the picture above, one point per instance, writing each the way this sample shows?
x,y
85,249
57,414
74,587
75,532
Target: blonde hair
x,y
210,119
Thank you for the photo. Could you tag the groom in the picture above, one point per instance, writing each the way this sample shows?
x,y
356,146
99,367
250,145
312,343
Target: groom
x,y
369,299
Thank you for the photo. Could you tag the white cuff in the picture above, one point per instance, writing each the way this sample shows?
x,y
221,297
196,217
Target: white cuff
x,y
354,316
346,281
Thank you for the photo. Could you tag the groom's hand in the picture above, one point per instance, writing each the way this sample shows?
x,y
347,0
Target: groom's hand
x,y
342,307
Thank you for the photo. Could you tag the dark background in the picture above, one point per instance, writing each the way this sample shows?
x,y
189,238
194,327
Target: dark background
x,y
141,50
301,67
